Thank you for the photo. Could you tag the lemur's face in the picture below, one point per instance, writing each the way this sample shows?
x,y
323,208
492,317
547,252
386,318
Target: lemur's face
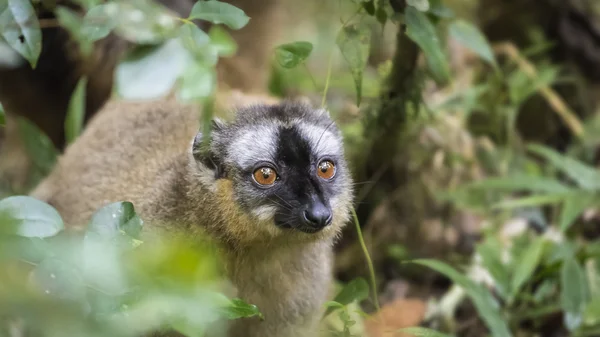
x,y
288,168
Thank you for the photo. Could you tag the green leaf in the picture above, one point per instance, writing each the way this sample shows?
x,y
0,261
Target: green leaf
x,y
559,252
545,291
483,300
193,38
574,293
59,279
422,32
142,21
198,82
573,207
469,36
490,251
9,58
86,4
381,12
112,220
355,290
219,12
592,313
397,251
536,200
69,19
354,42
188,330
592,267
98,23
222,42
101,256
2,118
237,308
521,86
526,264
21,29
290,55
76,111
29,217
422,5
32,250
201,45
39,147
521,183
369,7
439,9
423,332
111,231
73,23
152,73
333,304
586,177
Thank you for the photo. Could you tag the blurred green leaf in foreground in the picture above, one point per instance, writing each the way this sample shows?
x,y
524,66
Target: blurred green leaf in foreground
x,y
105,281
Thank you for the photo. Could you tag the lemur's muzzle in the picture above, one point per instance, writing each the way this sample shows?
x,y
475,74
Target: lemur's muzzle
x,y
317,216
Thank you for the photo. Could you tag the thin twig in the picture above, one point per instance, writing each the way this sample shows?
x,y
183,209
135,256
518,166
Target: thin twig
x,y
310,75
330,62
329,66
555,101
368,258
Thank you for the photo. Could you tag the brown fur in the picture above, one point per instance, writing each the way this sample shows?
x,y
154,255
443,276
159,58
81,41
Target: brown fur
x,y
141,152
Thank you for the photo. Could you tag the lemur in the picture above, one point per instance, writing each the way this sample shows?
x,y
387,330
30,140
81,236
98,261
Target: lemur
x,y
271,187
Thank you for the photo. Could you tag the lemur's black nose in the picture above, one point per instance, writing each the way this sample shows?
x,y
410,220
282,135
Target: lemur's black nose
x,y
318,215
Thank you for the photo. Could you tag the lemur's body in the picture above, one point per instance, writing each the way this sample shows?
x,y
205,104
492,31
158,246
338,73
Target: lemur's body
x,y
150,156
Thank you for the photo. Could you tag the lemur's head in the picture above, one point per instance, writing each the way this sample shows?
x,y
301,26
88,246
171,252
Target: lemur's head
x,y
285,167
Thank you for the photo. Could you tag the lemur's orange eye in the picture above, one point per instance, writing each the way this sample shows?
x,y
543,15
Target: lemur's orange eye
x,y
265,176
326,169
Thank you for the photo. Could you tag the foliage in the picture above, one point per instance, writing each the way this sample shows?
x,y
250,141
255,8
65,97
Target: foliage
x,y
533,275
104,281
290,55
482,298
353,41
423,332
20,29
470,36
143,22
422,31
76,111
108,281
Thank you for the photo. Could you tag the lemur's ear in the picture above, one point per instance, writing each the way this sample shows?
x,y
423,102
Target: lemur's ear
x,y
204,152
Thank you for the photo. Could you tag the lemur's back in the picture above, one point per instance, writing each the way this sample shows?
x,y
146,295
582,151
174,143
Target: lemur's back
x,y
119,156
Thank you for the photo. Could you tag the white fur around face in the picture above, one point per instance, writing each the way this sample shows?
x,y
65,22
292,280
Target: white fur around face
x,y
253,145
323,141
264,213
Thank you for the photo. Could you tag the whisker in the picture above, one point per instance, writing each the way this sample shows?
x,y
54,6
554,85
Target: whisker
x,y
322,134
285,201
363,182
281,205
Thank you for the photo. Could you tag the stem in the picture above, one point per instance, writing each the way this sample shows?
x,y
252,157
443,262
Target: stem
x,y
330,62
184,20
559,106
310,75
368,258
329,66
